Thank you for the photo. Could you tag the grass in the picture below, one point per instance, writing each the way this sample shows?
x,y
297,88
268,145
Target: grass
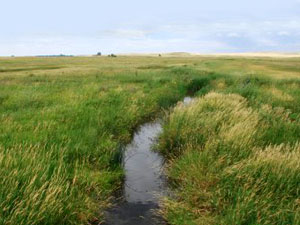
x,y
63,122
234,152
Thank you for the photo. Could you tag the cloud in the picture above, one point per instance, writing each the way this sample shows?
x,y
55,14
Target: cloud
x,y
124,33
194,36
283,33
233,34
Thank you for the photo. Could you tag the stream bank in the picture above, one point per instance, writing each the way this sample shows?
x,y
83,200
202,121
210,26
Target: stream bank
x,y
145,182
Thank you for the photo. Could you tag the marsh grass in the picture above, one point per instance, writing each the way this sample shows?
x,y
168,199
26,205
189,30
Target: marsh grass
x,y
234,153
63,122
61,137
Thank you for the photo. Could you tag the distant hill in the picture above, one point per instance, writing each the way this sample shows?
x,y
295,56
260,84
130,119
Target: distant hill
x,y
244,54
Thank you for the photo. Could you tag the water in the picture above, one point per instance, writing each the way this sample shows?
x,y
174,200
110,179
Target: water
x,y
144,183
144,178
187,100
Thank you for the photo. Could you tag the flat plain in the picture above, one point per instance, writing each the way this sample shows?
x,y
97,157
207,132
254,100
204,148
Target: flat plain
x,y
232,154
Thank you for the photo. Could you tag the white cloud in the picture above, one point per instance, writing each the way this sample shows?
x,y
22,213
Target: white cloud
x,y
283,33
195,36
233,34
124,33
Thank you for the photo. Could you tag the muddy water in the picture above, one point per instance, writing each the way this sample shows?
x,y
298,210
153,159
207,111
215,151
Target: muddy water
x,y
144,182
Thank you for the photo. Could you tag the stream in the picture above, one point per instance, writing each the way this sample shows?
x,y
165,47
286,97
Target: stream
x,y
145,182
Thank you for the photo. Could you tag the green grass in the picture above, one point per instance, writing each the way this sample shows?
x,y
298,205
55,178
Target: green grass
x,y
63,122
234,153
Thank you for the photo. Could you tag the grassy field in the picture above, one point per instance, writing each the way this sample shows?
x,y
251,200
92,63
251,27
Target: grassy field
x,y
233,153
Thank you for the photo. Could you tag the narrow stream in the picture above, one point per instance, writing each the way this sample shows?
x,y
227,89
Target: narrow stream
x,y
144,183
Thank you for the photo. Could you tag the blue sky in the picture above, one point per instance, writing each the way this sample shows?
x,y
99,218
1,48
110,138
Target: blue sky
x,y
34,27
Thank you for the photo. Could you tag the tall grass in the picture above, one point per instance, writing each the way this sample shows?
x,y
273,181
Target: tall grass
x,y
234,154
61,136
63,121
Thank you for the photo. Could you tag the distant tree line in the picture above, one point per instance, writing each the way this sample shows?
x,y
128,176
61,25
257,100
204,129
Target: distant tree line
x,y
112,55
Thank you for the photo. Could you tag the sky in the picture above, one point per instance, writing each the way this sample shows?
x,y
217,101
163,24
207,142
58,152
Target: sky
x,y
45,27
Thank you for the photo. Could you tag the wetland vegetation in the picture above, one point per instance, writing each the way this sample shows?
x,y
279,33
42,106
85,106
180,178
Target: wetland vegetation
x,y
232,154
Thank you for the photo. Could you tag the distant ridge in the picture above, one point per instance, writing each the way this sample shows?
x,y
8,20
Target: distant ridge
x,y
185,54
262,54
242,54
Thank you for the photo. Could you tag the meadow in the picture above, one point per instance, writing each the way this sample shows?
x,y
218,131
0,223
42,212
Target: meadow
x,y
233,153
